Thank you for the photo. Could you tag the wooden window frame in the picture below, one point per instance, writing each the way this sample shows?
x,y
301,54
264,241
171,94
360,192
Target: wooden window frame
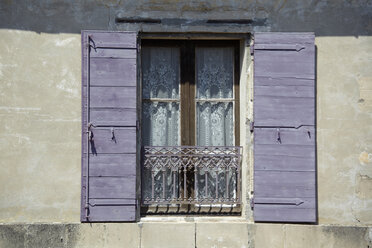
x,y
187,101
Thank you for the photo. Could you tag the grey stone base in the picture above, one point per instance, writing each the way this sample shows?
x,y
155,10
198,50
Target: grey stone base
x,y
185,234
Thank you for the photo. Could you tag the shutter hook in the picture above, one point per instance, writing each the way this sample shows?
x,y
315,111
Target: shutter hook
x,y
308,133
278,136
90,133
113,135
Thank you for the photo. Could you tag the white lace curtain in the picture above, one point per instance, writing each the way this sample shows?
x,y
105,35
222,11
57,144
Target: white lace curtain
x,y
214,95
161,108
214,110
161,77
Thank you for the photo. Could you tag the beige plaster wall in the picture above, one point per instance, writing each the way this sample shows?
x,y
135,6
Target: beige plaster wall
x,y
40,96
39,127
344,119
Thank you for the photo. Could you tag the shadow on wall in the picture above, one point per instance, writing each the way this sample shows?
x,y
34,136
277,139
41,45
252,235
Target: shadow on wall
x,y
325,18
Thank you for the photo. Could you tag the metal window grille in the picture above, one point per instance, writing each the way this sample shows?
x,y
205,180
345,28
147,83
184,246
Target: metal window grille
x,y
191,175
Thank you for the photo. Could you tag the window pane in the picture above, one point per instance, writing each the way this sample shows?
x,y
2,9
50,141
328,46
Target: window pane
x,y
170,180
160,67
219,175
214,72
215,125
160,124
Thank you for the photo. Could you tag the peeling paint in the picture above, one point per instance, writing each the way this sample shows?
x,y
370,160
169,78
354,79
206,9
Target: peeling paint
x,y
365,158
64,42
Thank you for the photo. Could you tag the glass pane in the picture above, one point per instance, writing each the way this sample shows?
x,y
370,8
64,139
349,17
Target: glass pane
x,y
160,124
215,125
214,72
160,66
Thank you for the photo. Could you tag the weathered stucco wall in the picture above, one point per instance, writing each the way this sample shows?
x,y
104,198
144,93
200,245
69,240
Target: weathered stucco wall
x,y
40,95
39,126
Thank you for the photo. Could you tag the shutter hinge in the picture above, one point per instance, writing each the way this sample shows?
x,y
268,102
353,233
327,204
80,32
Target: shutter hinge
x,y
251,48
137,125
252,203
251,126
90,42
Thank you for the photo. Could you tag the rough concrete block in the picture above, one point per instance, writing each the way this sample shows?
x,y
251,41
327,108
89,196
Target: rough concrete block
x,y
109,235
268,235
50,235
12,236
325,236
170,235
232,235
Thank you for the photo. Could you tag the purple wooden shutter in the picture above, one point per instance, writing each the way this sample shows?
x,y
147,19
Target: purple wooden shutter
x,y
284,127
109,79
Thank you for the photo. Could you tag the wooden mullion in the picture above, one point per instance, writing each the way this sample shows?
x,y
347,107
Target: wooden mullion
x,y
185,88
185,109
236,93
191,115
192,104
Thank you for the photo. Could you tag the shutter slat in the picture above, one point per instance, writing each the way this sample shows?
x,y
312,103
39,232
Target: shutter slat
x,y
113,116
116,213
284,184
112,187
113,72
101,53
288,81
110,171
283,91
267,161
114,39
113,202
114,97
303,136
271,46
285,213
279,111
125,141
111,164
284,127
284,64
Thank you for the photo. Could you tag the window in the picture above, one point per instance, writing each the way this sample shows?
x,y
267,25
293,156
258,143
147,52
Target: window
x,y
190,133
190,122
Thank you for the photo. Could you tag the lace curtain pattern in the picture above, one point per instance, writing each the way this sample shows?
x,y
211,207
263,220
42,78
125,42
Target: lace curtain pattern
x,y
214,85
160,108
214,110
161,75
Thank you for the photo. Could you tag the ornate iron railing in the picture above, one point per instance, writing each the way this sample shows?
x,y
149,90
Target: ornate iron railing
x,y
191,175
